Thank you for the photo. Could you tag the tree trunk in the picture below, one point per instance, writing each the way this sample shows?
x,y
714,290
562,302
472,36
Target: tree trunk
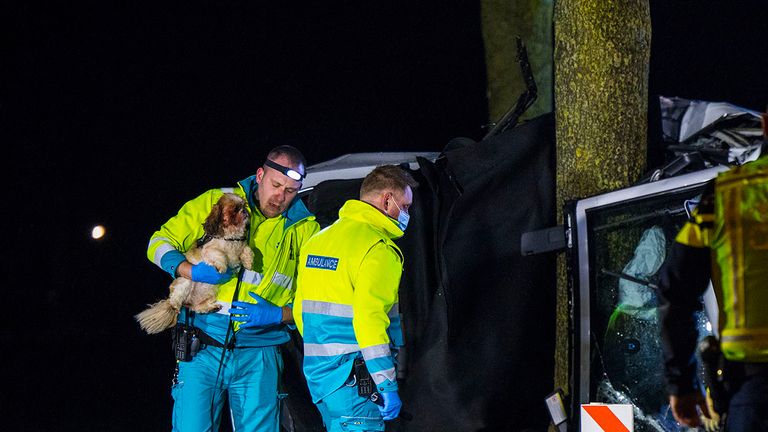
x,y
601,55
502,21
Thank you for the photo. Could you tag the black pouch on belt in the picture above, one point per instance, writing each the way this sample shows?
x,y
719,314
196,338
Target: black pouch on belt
x,y
185,342
363,378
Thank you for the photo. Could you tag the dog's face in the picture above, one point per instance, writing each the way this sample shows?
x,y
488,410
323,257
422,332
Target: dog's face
x,y
228,217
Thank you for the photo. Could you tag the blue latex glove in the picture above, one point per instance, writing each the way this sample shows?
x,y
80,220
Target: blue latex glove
x,y
259,314
206,273
390,408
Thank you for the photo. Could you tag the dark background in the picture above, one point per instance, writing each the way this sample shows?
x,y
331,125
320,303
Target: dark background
x,y
116,113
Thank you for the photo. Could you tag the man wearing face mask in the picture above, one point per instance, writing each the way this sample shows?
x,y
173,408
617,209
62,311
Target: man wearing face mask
x,y
346,305
237,354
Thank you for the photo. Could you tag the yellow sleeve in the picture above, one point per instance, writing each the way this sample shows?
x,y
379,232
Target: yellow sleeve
x,y
697,232
180,232
375,292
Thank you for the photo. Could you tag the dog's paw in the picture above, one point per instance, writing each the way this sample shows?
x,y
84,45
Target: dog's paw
x,y
207,307
220,266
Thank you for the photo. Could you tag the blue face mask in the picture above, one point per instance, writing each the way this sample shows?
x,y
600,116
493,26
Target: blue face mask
x,y
402,218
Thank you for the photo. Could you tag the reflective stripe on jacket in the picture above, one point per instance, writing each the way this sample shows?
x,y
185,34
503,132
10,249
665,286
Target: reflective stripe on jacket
x,y
276,243
346,301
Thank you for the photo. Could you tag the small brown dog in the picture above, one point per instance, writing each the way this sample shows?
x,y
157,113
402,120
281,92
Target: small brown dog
x,y
224,246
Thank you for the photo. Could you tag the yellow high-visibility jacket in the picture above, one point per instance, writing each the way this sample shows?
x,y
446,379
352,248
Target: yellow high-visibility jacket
x,y
276,243
347,299
740,248
735,229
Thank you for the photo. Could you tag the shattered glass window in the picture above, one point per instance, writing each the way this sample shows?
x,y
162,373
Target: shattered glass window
x,y
628,243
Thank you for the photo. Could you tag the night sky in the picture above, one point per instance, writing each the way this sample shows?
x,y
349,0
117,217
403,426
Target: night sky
x,y
116,113
124,113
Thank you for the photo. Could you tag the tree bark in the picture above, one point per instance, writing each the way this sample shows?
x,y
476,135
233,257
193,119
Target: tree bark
x,y
601,58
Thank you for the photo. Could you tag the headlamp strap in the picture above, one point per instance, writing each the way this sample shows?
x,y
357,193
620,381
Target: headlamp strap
x,y
289,172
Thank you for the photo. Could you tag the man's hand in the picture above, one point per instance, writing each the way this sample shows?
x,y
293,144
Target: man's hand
x,y
684,408
206,273
259,314
711,424
392,404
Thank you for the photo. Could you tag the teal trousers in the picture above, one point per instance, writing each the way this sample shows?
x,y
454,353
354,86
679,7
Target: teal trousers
x,y
249,377
343,411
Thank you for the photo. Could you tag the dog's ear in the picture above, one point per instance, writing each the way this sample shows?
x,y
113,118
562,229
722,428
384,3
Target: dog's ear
x,y
214,222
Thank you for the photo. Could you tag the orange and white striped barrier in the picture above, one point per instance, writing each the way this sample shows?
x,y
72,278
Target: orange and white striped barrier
x,y
597,417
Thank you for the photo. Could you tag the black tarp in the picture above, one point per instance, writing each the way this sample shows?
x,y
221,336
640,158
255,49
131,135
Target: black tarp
x,y
479,317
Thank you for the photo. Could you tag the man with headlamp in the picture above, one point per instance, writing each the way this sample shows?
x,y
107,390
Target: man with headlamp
x,y
238,353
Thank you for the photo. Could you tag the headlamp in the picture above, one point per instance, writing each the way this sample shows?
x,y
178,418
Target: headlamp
x,y
290,172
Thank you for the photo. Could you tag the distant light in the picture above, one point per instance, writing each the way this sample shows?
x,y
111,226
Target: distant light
x,y
709,326
98,232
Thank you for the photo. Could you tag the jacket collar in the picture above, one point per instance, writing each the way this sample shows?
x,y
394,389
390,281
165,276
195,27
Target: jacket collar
x,y
295,212
366,213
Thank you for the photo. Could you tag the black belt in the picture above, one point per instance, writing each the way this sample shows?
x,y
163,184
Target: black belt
x,y
207,339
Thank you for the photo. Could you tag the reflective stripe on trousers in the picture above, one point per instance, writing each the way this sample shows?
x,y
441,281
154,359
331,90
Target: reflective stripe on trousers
x,y
345,411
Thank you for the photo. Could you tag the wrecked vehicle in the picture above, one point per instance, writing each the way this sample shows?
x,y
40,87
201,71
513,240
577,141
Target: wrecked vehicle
x,y
618,241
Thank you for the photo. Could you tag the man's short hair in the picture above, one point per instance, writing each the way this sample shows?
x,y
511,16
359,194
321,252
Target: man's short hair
x,y
387,177
292,153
